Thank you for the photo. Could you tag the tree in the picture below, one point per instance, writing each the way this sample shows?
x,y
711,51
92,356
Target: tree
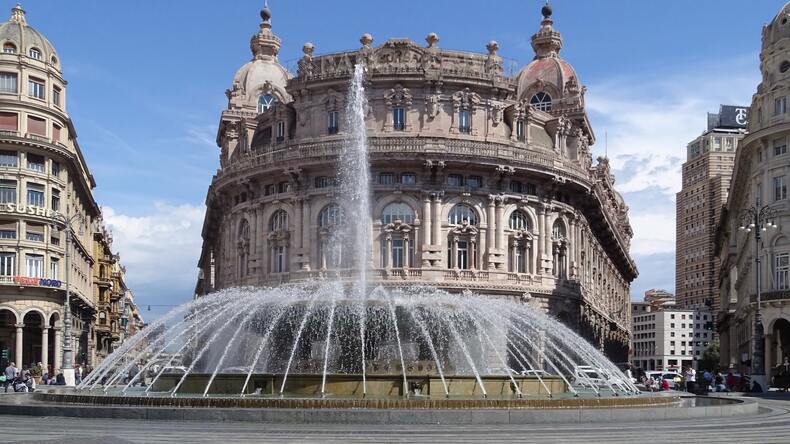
x,y
710,357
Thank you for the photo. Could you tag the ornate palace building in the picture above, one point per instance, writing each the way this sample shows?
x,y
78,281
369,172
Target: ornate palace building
x,y
760,178
481,181
44,179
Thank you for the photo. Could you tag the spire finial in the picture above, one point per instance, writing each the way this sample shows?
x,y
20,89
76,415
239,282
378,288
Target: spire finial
x,y
546,10
266,14
546,42
18,14
265,44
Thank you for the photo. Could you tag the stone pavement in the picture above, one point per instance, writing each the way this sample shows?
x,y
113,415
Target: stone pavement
x,y
770,425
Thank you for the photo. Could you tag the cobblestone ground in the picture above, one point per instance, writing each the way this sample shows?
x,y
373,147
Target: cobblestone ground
x,y
770,425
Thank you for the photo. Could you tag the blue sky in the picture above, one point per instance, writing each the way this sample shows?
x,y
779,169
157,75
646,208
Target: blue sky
x,y
147,81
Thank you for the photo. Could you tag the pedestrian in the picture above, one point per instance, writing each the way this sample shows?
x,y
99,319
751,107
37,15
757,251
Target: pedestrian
x,y
730,381
691,380
10,373
629,374
78,374
718,382
665,384
678,382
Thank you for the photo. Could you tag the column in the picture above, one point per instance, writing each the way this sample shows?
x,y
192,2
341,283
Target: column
x,y
389,251
454,257
500,224
425,221
539,242
18,347
58,349
297,224
437,220
406,255
305,242
45,347
490,242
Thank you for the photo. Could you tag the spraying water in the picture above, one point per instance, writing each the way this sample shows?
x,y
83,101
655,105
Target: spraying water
x,y
354,171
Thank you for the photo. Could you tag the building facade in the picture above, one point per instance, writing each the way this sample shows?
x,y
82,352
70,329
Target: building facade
x,y
706,181
760,178
44,181
668,338
481,181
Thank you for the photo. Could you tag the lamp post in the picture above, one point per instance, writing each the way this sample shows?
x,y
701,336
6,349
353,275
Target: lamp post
x,y
759,219
67,366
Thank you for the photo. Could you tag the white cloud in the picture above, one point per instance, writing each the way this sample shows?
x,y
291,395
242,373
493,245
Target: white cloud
x,y
649,120
160,248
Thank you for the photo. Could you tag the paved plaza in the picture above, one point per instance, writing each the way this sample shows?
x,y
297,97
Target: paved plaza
x,y
770,425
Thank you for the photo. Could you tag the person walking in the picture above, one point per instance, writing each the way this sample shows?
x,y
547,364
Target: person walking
x,y
78,374
10,373
691,380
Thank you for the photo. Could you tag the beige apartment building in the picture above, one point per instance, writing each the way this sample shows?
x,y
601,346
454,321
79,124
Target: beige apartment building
x,y
44,180
481,181
706,181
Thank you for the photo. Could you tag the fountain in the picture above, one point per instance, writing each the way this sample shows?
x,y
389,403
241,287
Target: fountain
x,y
327,340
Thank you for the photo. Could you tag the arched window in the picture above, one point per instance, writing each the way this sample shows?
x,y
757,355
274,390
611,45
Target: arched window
x,y
279,221
519,221
329,216
541,101
9,48
102,318
558,230
782,264
460,213
265,102
34,53
397,211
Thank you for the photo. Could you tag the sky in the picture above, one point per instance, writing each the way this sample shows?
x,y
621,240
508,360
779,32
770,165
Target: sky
x,y
147,81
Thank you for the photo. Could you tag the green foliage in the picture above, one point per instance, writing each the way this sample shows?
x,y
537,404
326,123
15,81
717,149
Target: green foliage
x,y
710,357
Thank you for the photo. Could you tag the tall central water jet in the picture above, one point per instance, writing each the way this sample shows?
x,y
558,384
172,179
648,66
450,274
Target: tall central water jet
x,y
355,237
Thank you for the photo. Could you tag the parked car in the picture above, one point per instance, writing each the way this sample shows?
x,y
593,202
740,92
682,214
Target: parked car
x,y
587,375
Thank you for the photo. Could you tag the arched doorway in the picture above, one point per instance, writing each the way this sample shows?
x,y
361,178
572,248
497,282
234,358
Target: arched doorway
x,y
7,337
31,343
779,345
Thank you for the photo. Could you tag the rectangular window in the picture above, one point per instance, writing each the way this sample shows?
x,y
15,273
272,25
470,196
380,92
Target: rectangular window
x,y
780,147
717,143
780,105
278,266
8,158
516,187
283,187
35,195
398,119
728,143
55,133
7,229
782,269
386,178
35,233
408,179
464,121
780,188
455,180
37,126
54,237
474,181
9,122
280,131
7,264
7,191
531,189
56,96
268,190
333,126
520,133
55,169
35,88
322,182
55,200
35,163
8,82
34,265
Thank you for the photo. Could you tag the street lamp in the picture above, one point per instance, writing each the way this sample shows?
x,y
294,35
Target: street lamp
x,y
67,366
759,219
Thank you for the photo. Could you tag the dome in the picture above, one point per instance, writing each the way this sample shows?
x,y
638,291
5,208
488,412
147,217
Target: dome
x,y
263,75
548,73
23,37
779,28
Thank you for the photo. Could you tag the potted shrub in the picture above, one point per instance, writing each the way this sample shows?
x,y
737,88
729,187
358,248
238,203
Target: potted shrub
x,y
35,372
